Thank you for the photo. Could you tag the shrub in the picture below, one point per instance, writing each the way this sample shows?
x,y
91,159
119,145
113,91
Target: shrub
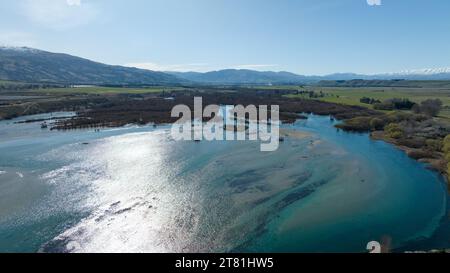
x,y
359,124
394,130
418,154
395,104
446,145
416,109
419,117
397,116
416,142
430,107
384,106
446,150
435,144
396,135
448,171
369,100
365,100
376,124
447,139
402,104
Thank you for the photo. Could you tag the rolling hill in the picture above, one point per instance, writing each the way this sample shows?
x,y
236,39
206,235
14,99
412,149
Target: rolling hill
x,y
235,76
31,65
244,76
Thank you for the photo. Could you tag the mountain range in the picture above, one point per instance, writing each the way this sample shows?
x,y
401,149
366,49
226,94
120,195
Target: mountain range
x,y
244,76
234,76
32,65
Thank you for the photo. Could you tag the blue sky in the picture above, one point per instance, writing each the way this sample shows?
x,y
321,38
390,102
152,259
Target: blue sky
x,y
301,36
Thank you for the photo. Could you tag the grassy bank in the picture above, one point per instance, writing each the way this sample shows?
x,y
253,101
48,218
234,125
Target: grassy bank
x,y
422,137
100,90
352,96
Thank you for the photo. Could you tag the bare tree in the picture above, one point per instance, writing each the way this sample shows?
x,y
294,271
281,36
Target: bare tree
x,y
431,107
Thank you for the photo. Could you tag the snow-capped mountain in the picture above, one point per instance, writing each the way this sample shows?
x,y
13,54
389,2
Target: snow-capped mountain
x,y
425,71
33,65
417,74
19,49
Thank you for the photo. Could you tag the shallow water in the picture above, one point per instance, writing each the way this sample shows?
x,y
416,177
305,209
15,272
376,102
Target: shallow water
x,y
134,189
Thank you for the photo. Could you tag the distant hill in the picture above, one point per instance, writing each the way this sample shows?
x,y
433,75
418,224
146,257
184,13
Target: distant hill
x,y
235,76
37,66
442,74
386,83
244,76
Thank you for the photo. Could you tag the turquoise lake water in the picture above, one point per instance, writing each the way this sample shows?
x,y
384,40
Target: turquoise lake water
x,y
134,189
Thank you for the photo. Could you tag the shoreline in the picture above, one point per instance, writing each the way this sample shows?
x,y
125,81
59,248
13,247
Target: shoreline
x,y
422,138
84,120
436,163
113,111
289,133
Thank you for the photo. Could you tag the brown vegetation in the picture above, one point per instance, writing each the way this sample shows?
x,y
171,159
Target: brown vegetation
x,y
124,110
420,136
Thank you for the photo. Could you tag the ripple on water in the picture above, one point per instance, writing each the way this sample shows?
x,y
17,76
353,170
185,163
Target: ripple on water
x,y
323,190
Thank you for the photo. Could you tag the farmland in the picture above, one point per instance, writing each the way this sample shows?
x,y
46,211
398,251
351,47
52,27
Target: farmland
x,y
99,90
352,95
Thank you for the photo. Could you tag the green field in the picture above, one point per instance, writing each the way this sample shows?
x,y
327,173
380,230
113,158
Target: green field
x,y
352,96
343,95
5,82
112,90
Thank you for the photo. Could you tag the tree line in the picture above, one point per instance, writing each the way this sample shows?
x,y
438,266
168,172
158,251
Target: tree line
x,y
429,107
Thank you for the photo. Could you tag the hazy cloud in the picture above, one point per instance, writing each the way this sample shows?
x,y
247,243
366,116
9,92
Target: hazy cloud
x,y
73,2
16,38
195,67
374,2
255,66
58,14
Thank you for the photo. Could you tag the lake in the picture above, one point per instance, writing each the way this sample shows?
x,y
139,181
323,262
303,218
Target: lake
x,y
134,189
